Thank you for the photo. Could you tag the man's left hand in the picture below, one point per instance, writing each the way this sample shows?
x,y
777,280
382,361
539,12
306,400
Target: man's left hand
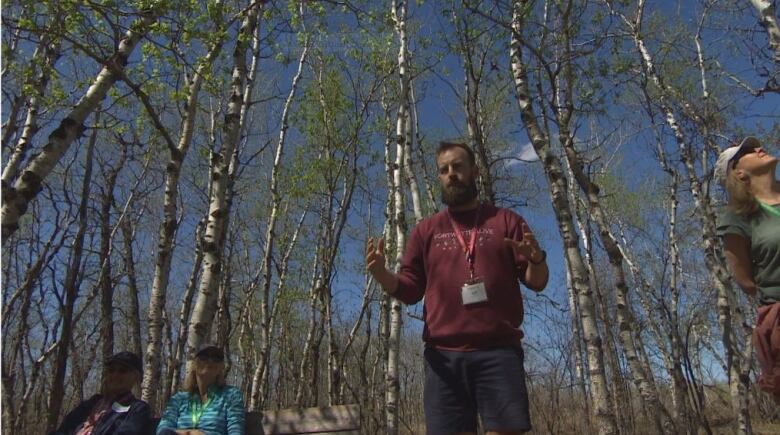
x,y
528,247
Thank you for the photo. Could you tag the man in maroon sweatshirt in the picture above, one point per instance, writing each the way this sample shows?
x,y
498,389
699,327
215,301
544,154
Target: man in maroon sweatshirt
x,y
468,261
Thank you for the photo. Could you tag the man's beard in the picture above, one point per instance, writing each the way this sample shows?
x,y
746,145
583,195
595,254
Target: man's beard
x,y
459,194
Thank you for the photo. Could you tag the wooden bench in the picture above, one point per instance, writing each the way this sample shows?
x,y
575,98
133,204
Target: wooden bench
x,y
340,419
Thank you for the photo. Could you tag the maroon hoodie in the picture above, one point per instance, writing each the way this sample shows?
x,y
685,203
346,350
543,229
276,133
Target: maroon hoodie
x,y
435,266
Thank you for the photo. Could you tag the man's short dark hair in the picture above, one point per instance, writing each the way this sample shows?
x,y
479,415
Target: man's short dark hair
x,y
446,146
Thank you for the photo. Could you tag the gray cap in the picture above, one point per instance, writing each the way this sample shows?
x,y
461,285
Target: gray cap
x,y
723,166
128,359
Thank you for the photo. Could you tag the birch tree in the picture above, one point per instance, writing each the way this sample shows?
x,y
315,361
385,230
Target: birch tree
x,y
618,393
591,191
626,322
260,377
712,255
46,55
213,243
399,12
475,67
170,223
71,291
25,188
604,418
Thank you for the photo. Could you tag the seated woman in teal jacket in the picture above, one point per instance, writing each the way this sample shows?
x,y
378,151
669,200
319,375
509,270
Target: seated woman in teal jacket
x,y
207,406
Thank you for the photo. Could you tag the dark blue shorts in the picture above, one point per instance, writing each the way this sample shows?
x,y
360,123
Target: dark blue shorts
x,y
460,385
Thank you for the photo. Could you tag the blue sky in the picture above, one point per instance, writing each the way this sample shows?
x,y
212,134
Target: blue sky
x,y
442,117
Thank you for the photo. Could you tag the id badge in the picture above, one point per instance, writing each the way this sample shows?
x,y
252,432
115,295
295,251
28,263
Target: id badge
x,y
473,292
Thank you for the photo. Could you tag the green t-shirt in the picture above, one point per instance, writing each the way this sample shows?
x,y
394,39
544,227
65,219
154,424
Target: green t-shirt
x,y
762,229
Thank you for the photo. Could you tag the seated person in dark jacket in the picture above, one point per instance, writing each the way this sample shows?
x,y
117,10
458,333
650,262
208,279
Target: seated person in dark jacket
x,y
115,411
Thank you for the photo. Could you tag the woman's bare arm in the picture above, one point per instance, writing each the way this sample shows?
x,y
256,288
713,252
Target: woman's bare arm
x,y
737,251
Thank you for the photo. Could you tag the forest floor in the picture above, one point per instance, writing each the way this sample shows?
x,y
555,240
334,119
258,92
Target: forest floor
x,y
766,428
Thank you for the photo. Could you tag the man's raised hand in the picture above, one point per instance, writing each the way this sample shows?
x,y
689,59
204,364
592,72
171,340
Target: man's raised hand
x,y
528,247
375,257
375,263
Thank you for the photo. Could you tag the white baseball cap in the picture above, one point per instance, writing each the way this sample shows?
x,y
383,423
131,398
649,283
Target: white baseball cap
x,y
723,166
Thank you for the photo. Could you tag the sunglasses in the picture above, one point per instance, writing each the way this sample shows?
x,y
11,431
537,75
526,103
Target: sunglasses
x,y
741,153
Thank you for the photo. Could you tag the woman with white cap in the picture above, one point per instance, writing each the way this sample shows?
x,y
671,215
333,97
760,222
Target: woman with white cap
x,y
750,228
207,406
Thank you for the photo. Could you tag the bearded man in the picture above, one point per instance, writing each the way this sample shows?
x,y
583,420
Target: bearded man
x,y
468,261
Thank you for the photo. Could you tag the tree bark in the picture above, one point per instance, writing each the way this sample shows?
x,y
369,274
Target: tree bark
x,y
260,388
619,394
399,12
304,384
580,371
174,369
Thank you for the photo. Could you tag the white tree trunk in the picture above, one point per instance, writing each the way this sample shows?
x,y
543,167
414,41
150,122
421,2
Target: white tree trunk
x,y
213,243
682,412
304,383
619,395
177,357
580,364
399,10
256,401
168,228
579,361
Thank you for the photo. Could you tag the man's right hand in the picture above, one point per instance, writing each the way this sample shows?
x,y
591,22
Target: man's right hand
x,y
375,257
375,264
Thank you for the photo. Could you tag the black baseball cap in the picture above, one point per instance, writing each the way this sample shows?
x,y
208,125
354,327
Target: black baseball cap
x,y
210,351
126,358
